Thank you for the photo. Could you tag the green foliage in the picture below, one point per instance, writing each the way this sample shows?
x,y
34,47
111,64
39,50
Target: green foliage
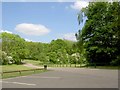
x,y
100,37
4,58
13,45
58,51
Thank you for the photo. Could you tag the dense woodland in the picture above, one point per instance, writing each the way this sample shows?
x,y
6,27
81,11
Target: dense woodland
x,y
97,43
57,51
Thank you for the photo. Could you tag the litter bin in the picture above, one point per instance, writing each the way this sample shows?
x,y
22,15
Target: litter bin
x,y
45,67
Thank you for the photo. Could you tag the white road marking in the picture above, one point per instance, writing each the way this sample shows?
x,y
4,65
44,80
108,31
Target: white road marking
x,y
13,77
43,77
51,77
19,83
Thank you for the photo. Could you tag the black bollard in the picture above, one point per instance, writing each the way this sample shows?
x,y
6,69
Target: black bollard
x,y
45,67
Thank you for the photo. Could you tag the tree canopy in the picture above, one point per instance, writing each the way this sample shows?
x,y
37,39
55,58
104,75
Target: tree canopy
x,y
100,36
57,51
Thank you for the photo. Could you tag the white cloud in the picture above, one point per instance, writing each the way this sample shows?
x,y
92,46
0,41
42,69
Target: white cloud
x,y
1,31
78,5
32,29
70,36
28,40
60,0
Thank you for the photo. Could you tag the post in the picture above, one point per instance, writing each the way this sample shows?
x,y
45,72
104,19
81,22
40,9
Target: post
x,y
45,67
75,64
87,65
95,65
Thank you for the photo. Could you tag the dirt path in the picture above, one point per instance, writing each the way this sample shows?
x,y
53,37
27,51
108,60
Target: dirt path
x,y
31,65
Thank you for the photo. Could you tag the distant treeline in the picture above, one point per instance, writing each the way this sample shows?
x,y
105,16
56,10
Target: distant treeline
x,y
17,49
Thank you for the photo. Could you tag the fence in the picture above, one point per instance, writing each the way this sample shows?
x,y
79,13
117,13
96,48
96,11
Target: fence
x,y
92,65
66,65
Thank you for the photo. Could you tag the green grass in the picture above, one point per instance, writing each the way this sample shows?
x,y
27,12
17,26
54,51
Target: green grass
x,y
24,73
14,67
6,68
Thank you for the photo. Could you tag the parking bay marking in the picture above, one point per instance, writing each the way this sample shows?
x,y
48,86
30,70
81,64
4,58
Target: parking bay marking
x,y
19,83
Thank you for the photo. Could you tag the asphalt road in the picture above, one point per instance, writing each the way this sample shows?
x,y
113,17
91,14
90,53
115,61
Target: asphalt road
x,y
66,78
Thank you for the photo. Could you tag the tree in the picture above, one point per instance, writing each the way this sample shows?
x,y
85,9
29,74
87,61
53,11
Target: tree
x,y
55,52
100,34
4,59
14,46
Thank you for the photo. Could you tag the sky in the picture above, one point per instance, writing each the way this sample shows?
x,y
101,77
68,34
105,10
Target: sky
x,y
42,21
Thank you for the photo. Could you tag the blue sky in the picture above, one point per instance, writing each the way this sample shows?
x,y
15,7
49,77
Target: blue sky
x,y
41,21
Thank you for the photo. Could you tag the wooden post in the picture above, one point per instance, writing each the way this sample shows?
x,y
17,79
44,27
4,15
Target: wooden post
x,y
95,65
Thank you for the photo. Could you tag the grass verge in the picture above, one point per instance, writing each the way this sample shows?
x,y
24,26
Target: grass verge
x,y
14,67
24,73
7,68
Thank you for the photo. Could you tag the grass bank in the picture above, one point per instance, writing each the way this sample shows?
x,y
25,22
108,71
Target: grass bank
x,y
10,68
14,67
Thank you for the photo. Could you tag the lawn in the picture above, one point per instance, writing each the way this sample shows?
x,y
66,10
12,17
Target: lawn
x,y
6,68
24,73
14,67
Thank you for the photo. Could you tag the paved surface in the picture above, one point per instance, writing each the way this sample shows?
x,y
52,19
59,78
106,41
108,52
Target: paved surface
x,y
66,78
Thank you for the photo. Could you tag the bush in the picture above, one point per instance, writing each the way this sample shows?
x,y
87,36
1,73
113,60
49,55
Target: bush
x,y
4,58
116,62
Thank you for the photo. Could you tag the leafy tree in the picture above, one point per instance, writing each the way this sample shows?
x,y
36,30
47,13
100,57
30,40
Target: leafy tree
x,y
100,35
13,45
